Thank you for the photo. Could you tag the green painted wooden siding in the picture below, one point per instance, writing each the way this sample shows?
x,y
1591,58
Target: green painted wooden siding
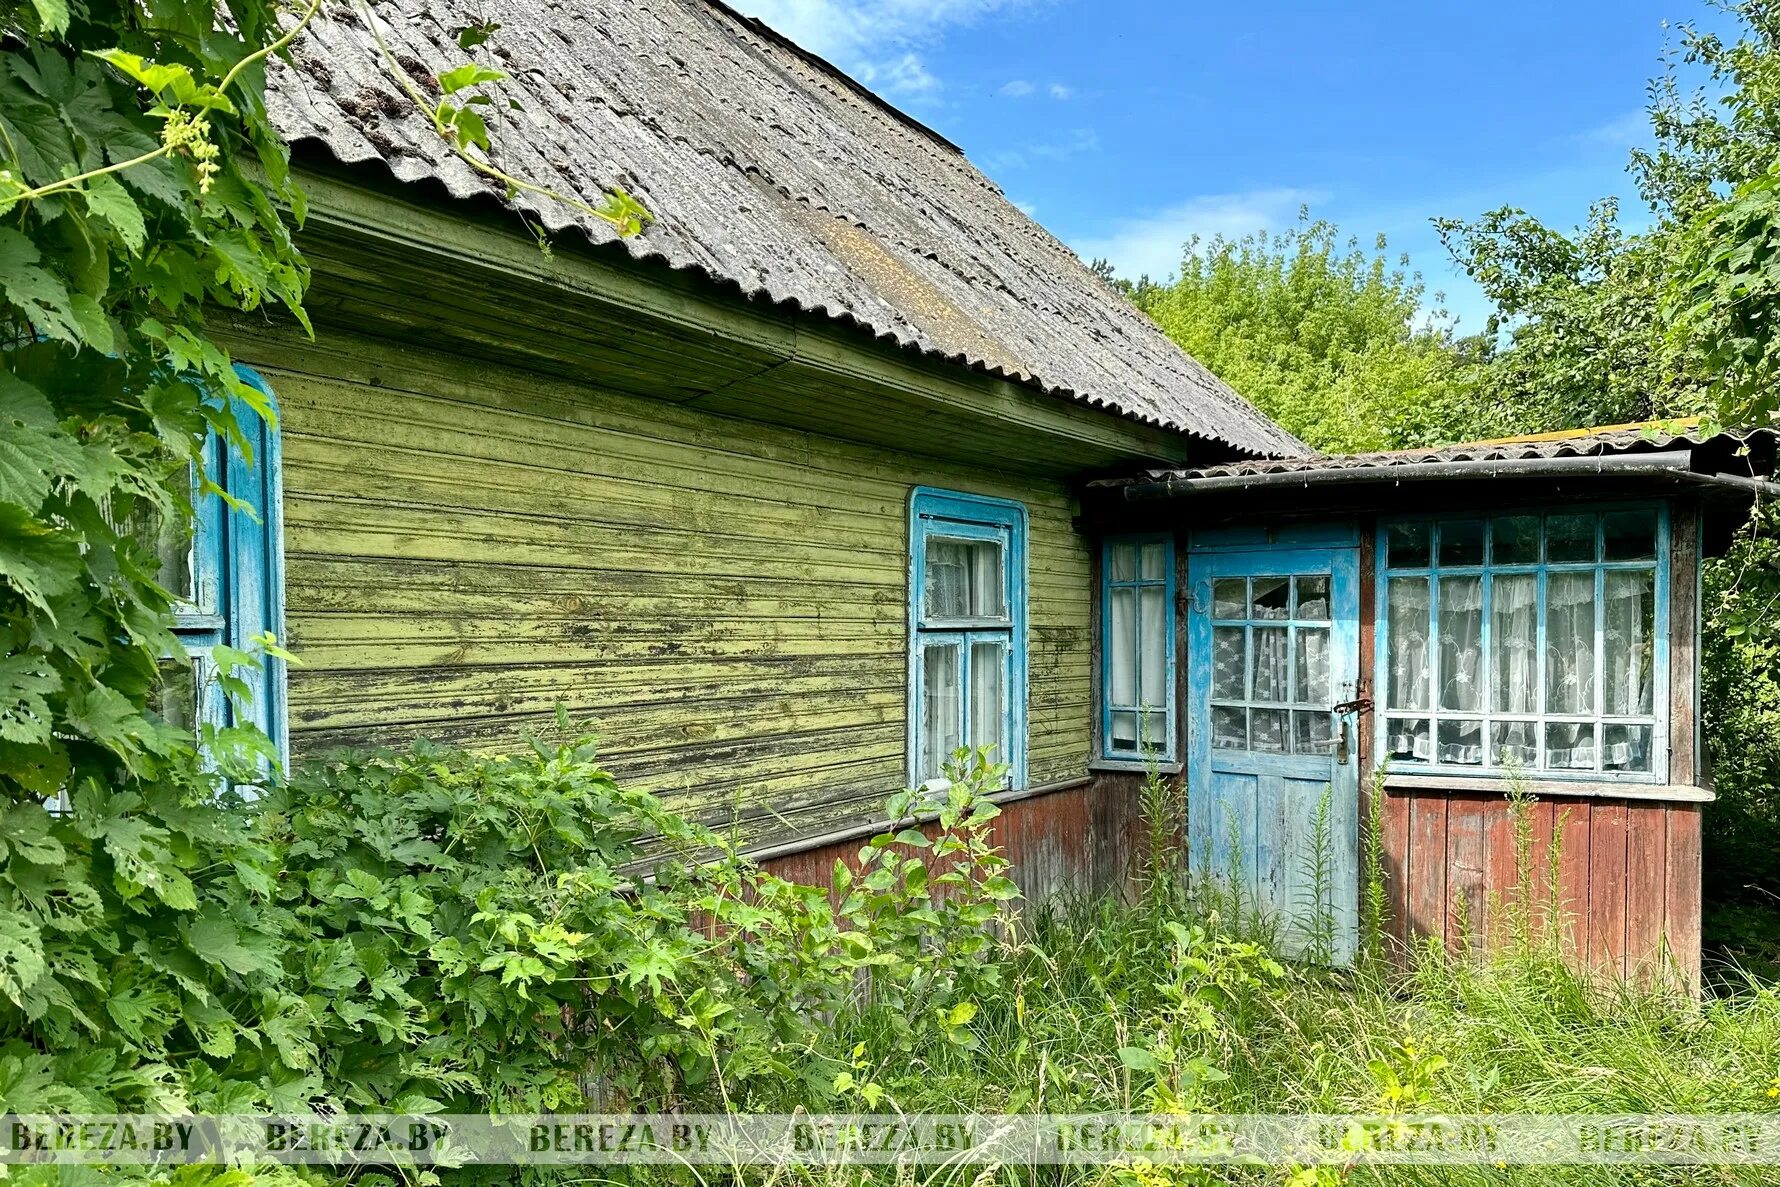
x,y
468,545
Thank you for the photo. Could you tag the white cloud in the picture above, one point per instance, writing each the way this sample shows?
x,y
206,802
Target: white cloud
x,y
1629,129
1077,142
1152,245
1018,88
1059,91
907,75
1025,208
877,41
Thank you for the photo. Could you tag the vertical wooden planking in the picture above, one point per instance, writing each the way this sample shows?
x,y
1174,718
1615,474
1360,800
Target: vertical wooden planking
x,y
1571,832
1427,890
1647,845
1606,950
1681,890
1502,904
1539,877
1398,867
1684,611
1466,923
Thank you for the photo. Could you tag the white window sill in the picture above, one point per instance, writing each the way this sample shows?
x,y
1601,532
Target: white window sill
x,y
1134,765
1608,789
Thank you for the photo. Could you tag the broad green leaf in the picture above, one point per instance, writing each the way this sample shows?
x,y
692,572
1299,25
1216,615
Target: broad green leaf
x,y
109,200
39,297
1137,1059
36,559
53,14
468,75
25,834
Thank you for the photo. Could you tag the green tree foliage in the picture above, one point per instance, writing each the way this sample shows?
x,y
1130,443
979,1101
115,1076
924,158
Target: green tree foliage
x,y
1603,324
1574,338
1332,341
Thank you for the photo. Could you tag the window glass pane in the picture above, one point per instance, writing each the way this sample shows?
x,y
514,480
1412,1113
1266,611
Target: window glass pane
x,y
1461,743
963,578
1312,686
1312,598
1122,677
1407,739
1461,542
1629,652
169,553
1406,546
1153,663
988,696
1272,597
1311,732
1229,660
1569,747
1270,672
1625,748
1154,561
1629,535
1122,562
1514,540
1155,732
1570,643
1514,744
1408,684
1267,731
1124,732
1514,642
942,707
1229,598
1570,539
1229,727
1461,642
177,698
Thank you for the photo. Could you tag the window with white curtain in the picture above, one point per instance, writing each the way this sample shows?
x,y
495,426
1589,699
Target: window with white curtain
x,y
1137,721
967,622
1531,640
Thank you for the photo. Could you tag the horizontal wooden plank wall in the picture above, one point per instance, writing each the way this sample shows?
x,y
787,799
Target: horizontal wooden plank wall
x,y
1620,895
468,545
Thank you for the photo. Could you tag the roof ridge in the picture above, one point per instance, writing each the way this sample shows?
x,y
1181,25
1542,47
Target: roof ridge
x,y
821,63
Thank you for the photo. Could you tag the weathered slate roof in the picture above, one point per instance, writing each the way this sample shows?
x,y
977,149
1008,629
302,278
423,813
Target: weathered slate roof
x,y
764,167
1609,441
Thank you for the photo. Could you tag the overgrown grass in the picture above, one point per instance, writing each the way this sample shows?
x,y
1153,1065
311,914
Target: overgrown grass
x,y
1175,1002
1154,1007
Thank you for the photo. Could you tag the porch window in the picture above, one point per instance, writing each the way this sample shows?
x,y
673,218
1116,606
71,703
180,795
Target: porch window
x,y
1137,722
1529,640
967,619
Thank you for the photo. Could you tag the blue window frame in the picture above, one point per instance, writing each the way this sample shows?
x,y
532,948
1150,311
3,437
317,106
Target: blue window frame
x,y
1536,640
229,585
967,631
1138,722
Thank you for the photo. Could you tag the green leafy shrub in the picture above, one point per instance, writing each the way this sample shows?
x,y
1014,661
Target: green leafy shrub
x,y
433,930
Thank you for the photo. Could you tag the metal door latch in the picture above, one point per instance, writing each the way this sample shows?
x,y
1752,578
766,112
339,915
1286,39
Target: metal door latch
x,y
1358,705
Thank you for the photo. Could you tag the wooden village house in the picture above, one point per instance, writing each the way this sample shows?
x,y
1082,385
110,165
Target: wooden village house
x,y
844,463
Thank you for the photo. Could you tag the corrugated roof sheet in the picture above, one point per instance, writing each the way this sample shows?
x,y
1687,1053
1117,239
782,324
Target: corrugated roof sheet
x,y
765,167
1598,442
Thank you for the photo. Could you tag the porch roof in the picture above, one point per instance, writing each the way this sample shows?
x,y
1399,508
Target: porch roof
x,y
1677,452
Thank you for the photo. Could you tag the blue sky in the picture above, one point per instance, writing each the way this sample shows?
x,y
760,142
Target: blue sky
x,y
1124,126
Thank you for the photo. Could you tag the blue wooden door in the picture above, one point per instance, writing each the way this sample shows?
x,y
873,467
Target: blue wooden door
x,y
1272,773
